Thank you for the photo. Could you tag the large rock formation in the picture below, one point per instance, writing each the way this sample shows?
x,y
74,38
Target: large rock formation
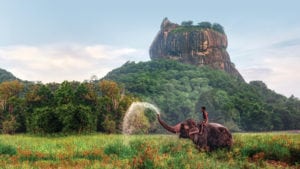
x,y
193,45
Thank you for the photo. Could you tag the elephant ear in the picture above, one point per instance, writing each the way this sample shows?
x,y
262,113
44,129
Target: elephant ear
x,y
193,129
191,123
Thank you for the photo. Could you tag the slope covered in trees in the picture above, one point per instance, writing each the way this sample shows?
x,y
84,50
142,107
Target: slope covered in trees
x,y
6,76
179,90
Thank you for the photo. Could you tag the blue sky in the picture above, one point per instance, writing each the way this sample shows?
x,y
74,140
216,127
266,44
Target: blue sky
x,y
56,40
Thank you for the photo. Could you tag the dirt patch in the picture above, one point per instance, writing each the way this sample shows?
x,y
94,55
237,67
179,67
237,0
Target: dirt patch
x,y
260,157
280,164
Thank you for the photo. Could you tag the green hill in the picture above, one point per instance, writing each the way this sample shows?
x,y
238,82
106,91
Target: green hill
x,y
6,76
179,90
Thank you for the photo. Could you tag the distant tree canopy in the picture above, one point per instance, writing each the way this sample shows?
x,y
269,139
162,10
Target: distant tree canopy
x,y
187,23
217,27
180,90
205,25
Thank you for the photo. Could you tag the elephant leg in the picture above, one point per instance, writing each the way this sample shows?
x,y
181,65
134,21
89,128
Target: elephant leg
x,y
200,141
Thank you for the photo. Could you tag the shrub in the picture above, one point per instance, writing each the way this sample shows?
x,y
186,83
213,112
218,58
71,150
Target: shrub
x,y
76,118
146,156
7,149
205,25
279,148
187,23
109,125
44,120
119,149
9,126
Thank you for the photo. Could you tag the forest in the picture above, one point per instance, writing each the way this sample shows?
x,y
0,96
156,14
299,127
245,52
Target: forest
x,y
69,107
180,90
177,89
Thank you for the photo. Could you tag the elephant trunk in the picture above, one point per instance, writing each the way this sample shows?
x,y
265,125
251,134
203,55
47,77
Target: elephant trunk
x,y
173,129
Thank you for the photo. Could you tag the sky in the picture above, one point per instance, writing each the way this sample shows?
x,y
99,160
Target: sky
x,y
57,40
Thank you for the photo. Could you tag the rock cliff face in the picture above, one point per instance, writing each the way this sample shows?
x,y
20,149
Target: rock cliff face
x,y
192,45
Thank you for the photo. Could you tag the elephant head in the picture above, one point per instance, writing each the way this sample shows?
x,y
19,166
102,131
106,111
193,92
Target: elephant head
x,y
214,135
184,129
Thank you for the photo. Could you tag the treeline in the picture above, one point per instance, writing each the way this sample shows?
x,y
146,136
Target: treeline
x,y
69,107
180,90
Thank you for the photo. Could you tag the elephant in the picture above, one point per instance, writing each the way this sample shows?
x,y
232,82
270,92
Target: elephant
x,y
213,136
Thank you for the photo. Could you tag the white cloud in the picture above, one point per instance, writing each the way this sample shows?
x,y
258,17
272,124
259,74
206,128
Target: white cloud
x,y
57,63
276,63
107,52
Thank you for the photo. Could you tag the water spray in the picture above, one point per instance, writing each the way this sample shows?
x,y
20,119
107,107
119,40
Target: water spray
x,y
136,107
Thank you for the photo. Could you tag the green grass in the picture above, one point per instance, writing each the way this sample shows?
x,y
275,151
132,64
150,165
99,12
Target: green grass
x,y
253,150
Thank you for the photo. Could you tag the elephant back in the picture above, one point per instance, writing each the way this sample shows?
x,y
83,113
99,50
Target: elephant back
x,y
218,136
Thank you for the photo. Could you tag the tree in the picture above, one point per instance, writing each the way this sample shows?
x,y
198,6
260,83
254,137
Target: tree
x,y
187,23
85,94
109,125
109,102
17,111
64,94
76,118
44,120
39,95
10,125
10,89
112,103
205,25
11,108
217,27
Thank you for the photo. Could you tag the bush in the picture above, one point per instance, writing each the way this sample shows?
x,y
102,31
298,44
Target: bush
x,y
9,126
119,149
76,118
146,155
279,148
68,118
7,149
109,125
44,120
187,23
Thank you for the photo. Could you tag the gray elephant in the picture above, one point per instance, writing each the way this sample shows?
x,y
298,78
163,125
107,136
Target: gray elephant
x,y
214,135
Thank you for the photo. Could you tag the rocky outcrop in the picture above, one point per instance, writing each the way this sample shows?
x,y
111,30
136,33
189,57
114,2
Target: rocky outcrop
x,y
193,45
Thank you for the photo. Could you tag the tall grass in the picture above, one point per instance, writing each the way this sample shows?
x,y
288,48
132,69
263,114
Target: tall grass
x,y
7,149
263,150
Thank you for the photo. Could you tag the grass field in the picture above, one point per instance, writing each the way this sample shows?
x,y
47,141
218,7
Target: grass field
x,y
251,150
